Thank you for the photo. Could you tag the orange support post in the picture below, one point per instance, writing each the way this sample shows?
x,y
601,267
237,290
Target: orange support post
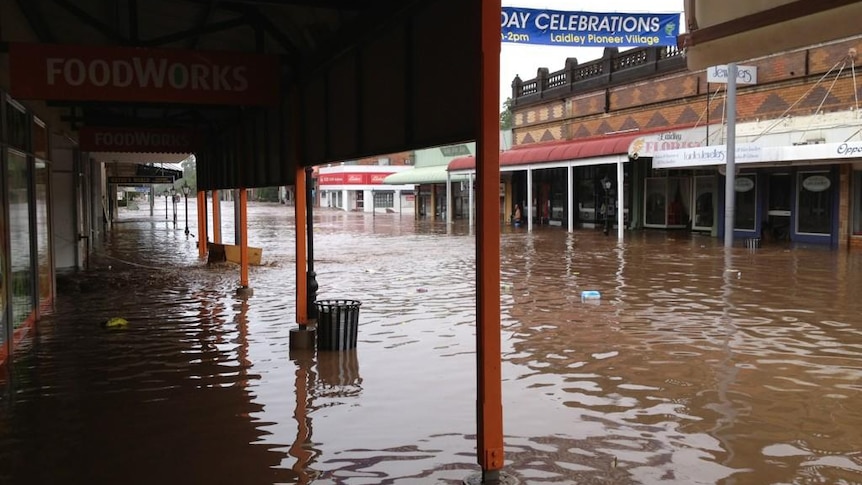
x,y
216,217
301,251
242,223
488,353
202,223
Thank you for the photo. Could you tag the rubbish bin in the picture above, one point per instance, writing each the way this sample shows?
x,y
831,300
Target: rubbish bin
x,y
337,324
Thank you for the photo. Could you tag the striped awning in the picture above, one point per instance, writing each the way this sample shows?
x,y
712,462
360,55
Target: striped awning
x,y
423,175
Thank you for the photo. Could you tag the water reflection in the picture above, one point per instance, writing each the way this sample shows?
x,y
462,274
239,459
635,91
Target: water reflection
x,y
698,365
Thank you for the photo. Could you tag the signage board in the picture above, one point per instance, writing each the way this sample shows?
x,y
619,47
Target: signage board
x,y
591,29
816,183
138,140
743,184
744,74
454,150
145,180
347,178
156,171
101,73
648,145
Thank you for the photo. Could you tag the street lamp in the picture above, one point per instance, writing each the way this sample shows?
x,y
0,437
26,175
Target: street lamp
x,y
174,200
167,194
186,190
607,184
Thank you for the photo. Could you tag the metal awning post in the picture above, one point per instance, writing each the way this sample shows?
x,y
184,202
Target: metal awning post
x,y
570,199
470,177
216,217
529,204
242,224
621,220
489,403
730,177
202,223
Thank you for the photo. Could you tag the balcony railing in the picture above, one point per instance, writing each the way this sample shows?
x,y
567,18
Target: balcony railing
x,y
613,68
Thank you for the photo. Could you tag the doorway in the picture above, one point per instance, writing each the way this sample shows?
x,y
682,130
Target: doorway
x,y
778,213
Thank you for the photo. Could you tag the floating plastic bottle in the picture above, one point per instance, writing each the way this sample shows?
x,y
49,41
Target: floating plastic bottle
x,y
590,295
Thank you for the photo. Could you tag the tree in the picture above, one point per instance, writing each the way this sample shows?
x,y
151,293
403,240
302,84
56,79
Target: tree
x,y
507,118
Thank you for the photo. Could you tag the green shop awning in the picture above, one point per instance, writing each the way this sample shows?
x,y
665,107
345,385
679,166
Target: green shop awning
x,y
423,175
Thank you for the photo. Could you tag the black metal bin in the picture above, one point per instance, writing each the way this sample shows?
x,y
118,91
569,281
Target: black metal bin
x,y
337,324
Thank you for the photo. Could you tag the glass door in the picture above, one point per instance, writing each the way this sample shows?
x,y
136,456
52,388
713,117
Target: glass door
x,y
704,203
778,211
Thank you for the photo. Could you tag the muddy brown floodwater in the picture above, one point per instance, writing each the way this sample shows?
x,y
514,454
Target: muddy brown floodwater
x,y
696,366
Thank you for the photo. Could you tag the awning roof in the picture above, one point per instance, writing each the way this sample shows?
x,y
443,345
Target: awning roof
x,y
423,175
557,151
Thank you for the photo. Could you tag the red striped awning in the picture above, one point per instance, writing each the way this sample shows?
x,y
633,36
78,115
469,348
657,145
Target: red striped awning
x,y
555,151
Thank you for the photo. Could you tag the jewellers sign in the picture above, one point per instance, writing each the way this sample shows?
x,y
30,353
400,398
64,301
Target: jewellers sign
x,y
137,140
708,155
750,153
91,73
720,74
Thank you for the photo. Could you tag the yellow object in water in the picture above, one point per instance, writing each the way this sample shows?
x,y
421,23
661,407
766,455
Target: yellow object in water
x,y
117,322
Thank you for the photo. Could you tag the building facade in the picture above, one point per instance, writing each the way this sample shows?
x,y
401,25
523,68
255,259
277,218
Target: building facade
x,y
669,116
359,185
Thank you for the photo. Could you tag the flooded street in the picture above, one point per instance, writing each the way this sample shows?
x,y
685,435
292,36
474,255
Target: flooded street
x,y
694,367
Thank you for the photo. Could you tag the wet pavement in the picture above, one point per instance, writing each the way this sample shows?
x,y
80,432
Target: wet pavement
x,y
695,366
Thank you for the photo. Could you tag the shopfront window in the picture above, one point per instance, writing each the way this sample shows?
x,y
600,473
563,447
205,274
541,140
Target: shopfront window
x,y
17,127
587,195
43,237
656,202
857,203
814,203
4,269
20,266
745,188
40,139
384,200
666,202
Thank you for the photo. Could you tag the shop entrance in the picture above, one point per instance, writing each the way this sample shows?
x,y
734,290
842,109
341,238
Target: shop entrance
x,y
777,225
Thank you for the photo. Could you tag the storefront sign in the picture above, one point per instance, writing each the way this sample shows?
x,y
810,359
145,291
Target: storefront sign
x,y
91,73
140,180
750,153
648,145
578,29
743,184
816,183
705,156
137,140
744,74
349,178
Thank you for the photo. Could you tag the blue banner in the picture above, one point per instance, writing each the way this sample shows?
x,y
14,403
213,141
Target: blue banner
x,y
588,29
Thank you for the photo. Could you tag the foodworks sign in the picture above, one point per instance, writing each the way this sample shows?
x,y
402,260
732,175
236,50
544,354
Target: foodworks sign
x,y
87,73
137,140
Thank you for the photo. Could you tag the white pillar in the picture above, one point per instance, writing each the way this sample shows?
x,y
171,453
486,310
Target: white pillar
x,y
529,199
368,201
345,200
620,199
570,199
449,217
